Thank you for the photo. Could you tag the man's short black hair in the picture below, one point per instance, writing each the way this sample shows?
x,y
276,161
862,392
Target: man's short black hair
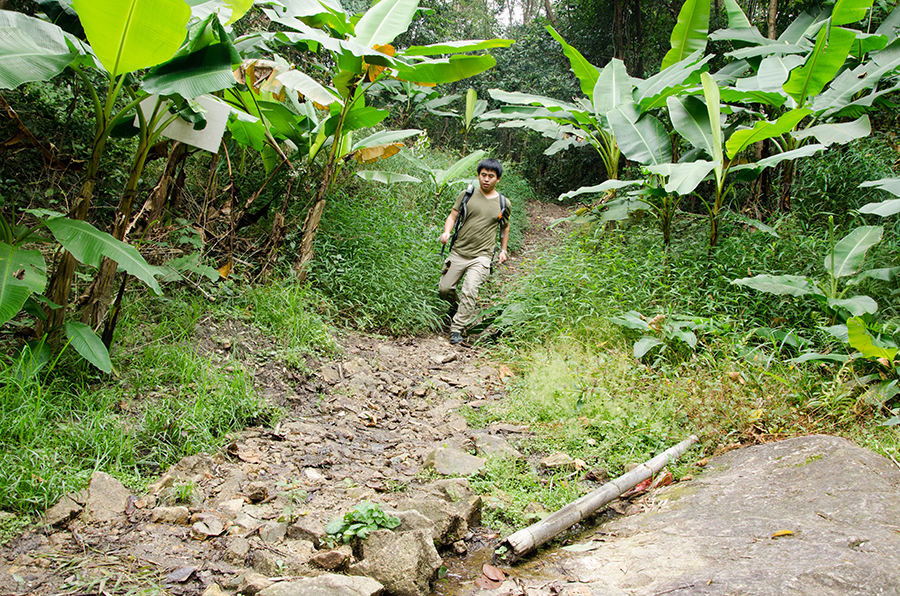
x,y
490,164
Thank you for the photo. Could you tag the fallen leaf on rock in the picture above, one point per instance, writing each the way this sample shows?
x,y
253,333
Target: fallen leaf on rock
x,y
181,575
492,573
782,533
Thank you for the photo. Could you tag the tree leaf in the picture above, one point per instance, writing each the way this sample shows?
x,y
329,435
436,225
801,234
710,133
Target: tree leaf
x,y
775,70
892,185
850,251
459,168
831,51
205,71
89,245
127,35
791,285
742,139
645,141
736,17
31,50
449,70
856,305
385,177
690,32
860,340
613,87
836,132
691,120
454,47
644,345
599,188
86,343
307,86
385,136
586,73
884,208
849,11
683,178
384,21
14,291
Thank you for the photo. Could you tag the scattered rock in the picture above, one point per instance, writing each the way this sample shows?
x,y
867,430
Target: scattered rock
x,y
451,462
307,528
494,446
214,590
273,531
558,461
337,559
405,564
107,498
256,491
237,550
252,583
170,515
65,510
329,584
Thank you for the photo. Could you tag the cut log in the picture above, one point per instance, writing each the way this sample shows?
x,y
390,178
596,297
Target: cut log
x,y
516,545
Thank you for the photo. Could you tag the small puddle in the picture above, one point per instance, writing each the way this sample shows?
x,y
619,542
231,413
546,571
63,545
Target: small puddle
x,y
545,565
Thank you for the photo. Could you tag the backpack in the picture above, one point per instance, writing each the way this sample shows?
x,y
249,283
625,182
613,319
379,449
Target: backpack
x,y
461,216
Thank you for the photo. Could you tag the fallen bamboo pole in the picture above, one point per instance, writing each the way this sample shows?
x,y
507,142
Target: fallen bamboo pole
x,y
524,541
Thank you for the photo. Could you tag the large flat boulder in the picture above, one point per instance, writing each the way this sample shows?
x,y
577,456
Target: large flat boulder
x,y
811,516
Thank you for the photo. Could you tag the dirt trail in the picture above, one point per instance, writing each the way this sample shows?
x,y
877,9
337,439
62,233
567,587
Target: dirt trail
x,y
360,429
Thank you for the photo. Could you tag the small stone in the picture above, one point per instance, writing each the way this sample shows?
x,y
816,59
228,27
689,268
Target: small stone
x,y
213,590
252,583
450,462
107,498
65,510
237,550
558,461
333,560
256,491
273,531
307,528
460,548
231,508
313,476
170,515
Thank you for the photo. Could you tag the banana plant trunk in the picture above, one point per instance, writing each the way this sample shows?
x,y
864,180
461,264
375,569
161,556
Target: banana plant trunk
x,y
787,181
311,226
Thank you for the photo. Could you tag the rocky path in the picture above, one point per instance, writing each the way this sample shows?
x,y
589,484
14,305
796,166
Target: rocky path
x,y
381,423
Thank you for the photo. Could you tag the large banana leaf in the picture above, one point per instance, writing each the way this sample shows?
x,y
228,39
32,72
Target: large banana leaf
x,y
683,178
459,168
859,339
204,71
850,251
652,92
14,291
857,306
774,160
86,343
450,70
780,285
613,87
236,8
528,99
849,11
384,21
89,245
385,177
586,72
775,49
128,35
890,26
691,120
763,130
456,47
307,86
736,17
645,140
30,50
690,32
775,70
714,110
851,82
599,188
837,132
892,185
882,209
831,51
384,137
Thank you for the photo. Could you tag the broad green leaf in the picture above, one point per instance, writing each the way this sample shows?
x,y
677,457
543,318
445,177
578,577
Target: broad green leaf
x,y
450,70
890,26
775,70
385,177
883,274
308,87
761,131
713,107
836,132
237,8
89,245
883,209
736,17
850,251
791,285
690,32
683,178
857,306
690,118
384,137
613,87
529,99
599,188
644,345
831,50
13,291
364,117
839,332
645,141
732,95
687,337
204,71
861,341
250,133
774,160
384,21
30,50
865,44
460,168
632,320
86,343
849,11
454,47
128,35
744,35
799,27
471,98
816,356
586,72
652,92
847,86
892,185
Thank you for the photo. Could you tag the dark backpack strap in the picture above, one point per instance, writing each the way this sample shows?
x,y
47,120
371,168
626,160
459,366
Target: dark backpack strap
x,y
460,216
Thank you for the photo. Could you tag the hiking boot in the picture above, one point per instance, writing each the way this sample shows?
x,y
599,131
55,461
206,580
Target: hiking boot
x,y
456,338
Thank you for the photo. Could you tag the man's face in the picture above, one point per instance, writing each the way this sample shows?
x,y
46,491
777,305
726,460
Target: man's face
x,y
488,180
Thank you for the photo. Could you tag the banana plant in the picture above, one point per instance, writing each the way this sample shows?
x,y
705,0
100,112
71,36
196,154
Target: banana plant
x,y
360,49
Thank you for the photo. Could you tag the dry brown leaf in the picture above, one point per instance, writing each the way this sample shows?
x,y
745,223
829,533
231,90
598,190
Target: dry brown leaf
x,y
782,533
640,488
492,573
664,479
736,378
486,584
225,269
373,154
504,371
181,575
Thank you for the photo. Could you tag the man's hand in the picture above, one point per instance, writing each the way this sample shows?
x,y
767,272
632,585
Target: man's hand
x,y
445,238
503,256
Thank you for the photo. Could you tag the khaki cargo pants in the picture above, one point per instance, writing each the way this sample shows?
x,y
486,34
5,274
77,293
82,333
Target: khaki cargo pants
x,y
476,271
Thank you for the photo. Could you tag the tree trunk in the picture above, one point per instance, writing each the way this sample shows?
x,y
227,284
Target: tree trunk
x,y
638,38
787,181
618,26
773,14
550,16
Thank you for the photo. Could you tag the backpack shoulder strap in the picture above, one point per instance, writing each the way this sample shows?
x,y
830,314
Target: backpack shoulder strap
x,y
460,215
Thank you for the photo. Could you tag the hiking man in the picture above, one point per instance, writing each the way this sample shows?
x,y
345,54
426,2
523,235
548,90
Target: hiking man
x,y
479,213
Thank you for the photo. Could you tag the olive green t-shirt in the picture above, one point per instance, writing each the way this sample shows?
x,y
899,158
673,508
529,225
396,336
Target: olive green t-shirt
x,y
478,233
